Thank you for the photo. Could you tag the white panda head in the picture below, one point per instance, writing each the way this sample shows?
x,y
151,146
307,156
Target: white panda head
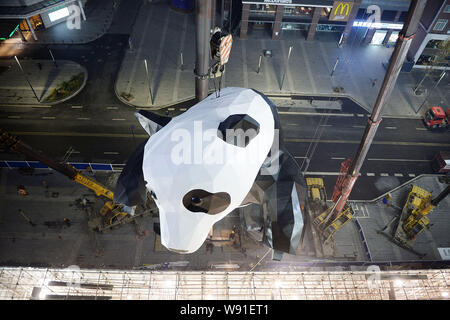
x,y
197,176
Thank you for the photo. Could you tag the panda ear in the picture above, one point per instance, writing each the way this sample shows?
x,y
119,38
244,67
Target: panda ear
x,y
151,122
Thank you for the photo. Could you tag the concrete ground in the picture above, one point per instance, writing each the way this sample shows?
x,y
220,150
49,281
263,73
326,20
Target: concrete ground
x,y
25,245
307,71
43,76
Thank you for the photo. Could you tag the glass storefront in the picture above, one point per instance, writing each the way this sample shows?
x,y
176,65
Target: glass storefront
x,y
330,28
393,38
435,53
378,37
263,8
36,23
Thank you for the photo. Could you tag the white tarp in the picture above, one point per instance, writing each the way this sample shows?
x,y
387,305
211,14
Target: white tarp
x,y
187,154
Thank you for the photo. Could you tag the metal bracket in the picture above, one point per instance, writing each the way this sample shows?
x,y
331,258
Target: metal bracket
x,y
403,38
374,122
201,76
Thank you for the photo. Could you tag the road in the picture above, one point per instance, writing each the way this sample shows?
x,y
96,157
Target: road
x,y
101,129
402,148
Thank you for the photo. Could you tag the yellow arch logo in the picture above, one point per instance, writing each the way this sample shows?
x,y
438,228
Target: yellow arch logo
x,y
343,6
341,11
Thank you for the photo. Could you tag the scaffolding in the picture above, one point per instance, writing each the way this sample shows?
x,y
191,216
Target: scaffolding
x,y
75,283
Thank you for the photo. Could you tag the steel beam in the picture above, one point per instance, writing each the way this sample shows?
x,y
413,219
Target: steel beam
x,y
202,36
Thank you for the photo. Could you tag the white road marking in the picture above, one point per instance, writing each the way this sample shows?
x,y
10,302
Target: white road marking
x,y
48,118
358,126
317,113
391,128
299,157
110,152
112,108
323,173
14,117
77,107
326,125
182,109
422,129
24,106
384,174
118,119
412,175
370,174
336,158
170,109
292,124
83,118
410,160
360,115
398,174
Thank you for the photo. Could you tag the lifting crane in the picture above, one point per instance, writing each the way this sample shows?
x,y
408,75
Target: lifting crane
x,y
331,220
113,213
413,218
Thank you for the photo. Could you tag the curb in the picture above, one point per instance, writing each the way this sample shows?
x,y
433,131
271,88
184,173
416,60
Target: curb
x,y
400,186
48,104
86,75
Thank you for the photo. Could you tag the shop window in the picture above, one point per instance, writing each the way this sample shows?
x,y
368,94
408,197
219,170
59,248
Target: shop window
x,y
329,28
24,26
433,44
36,22
325,12
378,37
393,37
260,8
440,25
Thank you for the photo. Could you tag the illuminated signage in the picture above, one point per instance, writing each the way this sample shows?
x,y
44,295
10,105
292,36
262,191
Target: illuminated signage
x,y
58,14
378,25
341,11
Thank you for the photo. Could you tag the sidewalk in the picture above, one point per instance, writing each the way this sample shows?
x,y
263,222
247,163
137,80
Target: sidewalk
x,y
160,35
43,76
99,15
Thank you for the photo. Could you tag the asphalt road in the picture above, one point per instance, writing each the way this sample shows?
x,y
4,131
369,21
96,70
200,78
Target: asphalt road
x,y
101,129
402,148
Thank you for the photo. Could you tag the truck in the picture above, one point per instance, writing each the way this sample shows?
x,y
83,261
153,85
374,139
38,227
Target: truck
x,y
441,162
435,117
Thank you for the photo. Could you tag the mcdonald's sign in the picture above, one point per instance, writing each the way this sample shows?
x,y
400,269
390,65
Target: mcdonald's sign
x,y
341,11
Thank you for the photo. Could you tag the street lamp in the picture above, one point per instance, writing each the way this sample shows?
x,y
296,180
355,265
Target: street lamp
x,y
26,78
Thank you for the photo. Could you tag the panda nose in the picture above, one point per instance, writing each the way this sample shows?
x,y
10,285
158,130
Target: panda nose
x,y
196,200
199,200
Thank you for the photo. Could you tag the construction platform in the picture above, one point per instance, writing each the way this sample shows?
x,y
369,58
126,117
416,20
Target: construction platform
x,y
48,242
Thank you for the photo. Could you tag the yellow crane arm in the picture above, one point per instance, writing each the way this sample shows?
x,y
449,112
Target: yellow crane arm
x,y
99,189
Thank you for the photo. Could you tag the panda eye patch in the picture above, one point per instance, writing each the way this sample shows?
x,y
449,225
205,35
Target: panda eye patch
x,y
238,130
199,200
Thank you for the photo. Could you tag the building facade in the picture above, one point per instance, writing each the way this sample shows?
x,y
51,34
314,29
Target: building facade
x,y
373,26
431,44
22,17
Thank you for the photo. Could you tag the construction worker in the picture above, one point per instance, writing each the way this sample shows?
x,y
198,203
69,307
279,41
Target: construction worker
x,y
386,199
67,222
21,190
26,218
